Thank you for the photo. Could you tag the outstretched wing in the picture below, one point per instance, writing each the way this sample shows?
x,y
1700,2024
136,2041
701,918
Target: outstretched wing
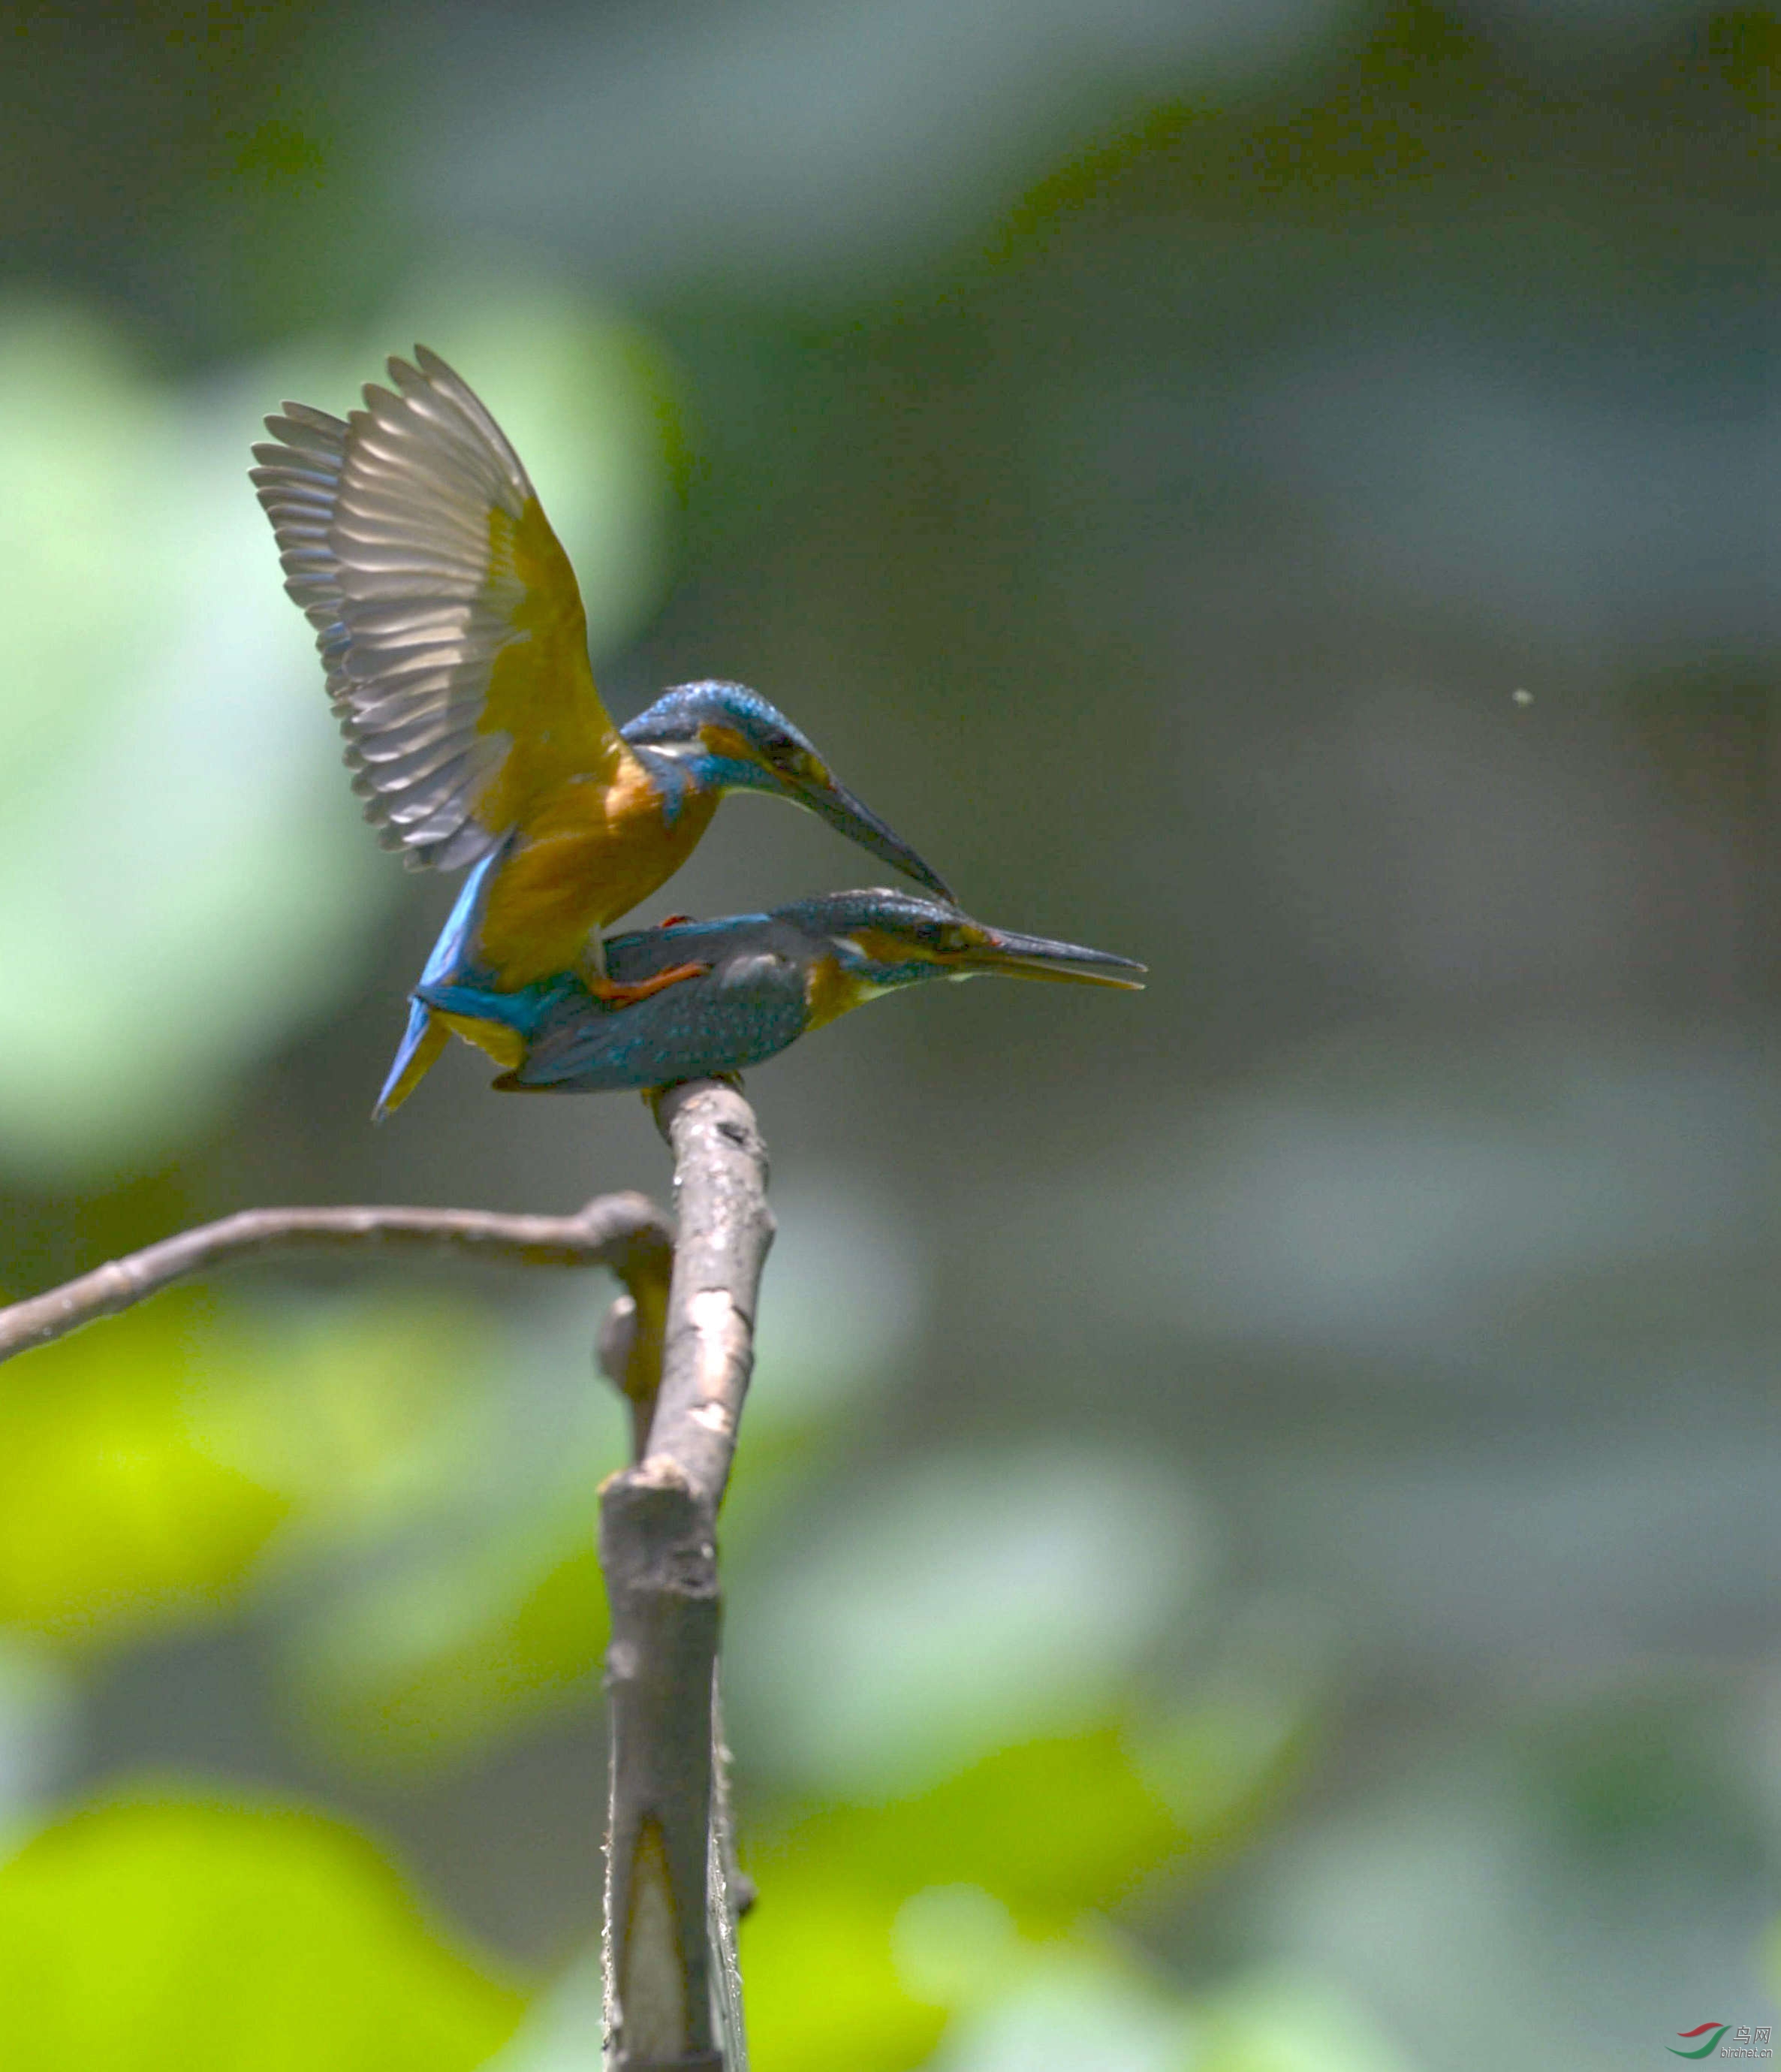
x,y
446,612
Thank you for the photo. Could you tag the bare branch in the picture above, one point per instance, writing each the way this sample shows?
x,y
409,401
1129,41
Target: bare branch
x,y
673,2003
679,1345
720,1197
625,1232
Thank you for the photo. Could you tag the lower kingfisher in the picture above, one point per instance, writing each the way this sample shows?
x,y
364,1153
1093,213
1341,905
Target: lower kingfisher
x,y
453,635
758,982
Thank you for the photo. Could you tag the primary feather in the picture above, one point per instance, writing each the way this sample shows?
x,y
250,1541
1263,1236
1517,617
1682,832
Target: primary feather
x,y
446,613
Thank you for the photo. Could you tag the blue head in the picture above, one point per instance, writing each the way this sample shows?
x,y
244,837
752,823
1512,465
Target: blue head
x,y
878,940
726,738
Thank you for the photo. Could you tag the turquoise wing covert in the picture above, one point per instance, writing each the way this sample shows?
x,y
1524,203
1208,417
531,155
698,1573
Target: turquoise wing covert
x,y
740,1012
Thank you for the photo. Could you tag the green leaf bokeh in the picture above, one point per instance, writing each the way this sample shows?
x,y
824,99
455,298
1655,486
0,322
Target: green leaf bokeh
x,y
168,1934
1254,1547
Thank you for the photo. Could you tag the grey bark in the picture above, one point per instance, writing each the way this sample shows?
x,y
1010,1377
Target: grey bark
x,y
673,1991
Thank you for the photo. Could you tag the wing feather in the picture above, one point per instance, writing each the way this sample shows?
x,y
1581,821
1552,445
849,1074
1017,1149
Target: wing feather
x,y
446,612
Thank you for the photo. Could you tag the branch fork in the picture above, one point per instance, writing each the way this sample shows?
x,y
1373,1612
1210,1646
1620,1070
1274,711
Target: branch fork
x,y
678,1345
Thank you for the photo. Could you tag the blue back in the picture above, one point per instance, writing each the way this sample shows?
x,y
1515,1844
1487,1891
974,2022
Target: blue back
x,y
748,1007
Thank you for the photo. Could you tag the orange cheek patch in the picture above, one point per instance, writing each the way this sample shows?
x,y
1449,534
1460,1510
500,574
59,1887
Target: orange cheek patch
x,y
882,948
724,741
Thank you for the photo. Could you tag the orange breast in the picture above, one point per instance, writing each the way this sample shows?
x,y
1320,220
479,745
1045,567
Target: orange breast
x,y
588,852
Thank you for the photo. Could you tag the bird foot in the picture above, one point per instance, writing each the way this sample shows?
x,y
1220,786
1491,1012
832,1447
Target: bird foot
x,y
615,995
651,1096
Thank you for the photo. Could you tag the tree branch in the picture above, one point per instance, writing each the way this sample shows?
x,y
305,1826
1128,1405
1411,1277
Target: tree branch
x,y
625,1232
673,2001
679,1345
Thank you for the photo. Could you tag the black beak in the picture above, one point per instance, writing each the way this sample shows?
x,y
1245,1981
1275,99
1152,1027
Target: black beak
x,y
1037,956
849,816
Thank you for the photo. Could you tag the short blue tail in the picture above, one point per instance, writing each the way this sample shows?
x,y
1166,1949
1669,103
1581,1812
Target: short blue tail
x,y
424,1040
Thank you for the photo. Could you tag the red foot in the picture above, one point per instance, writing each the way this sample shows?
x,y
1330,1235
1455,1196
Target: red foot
x,y
616,995
675,920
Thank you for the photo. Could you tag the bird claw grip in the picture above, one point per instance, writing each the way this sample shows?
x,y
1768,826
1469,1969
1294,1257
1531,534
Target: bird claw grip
x,y
613,994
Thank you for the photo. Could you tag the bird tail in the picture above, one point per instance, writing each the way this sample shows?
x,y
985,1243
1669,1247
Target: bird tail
x,y
421,1046
426,1037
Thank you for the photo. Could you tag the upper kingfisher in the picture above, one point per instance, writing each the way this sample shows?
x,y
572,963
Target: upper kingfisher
x,y
453,635
759,982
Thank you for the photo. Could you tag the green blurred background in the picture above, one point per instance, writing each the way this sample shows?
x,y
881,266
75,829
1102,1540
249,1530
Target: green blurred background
x,y
1255,1547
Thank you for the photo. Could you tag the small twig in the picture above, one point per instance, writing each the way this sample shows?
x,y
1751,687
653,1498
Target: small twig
x,y
625,1232
679,1344
672,1998
629,1349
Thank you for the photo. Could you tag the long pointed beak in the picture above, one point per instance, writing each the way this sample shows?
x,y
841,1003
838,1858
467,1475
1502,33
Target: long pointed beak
x,y
850,816
1037,956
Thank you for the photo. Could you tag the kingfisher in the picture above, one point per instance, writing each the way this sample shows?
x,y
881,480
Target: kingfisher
x,y
453,636
755,984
